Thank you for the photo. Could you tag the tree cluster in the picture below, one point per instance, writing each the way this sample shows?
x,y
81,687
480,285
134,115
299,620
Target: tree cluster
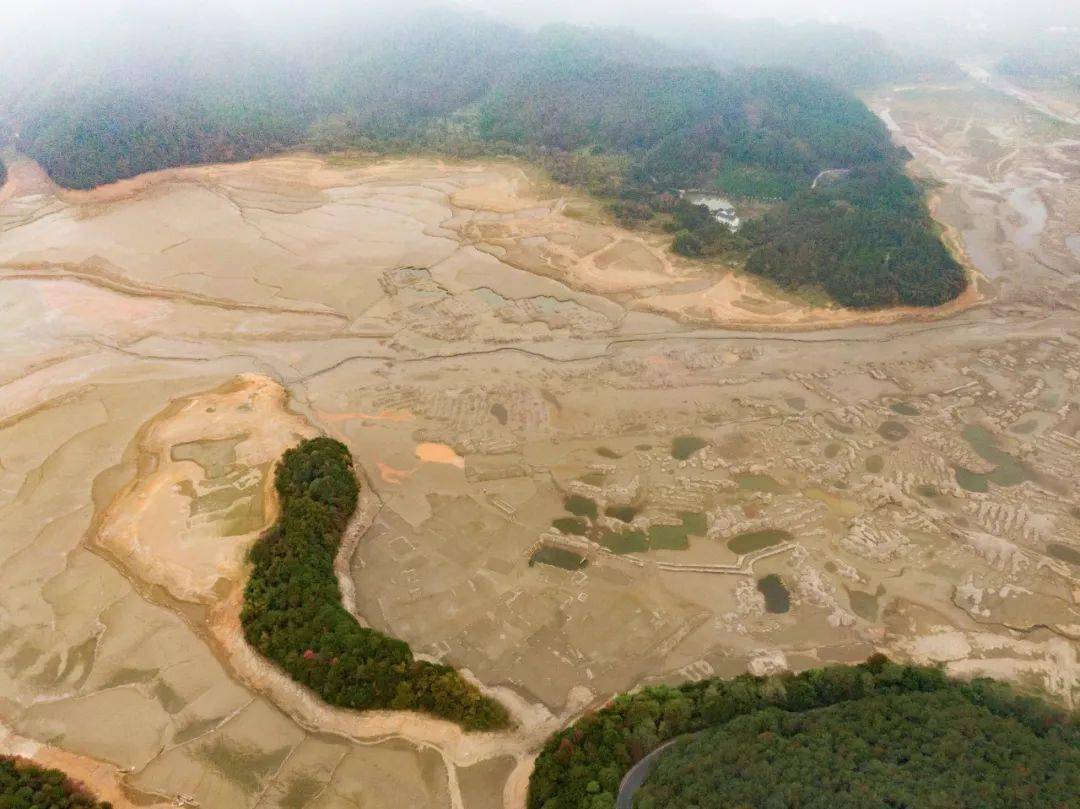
x,y
934,750
24,785
581,766
698,233
293,613
866,240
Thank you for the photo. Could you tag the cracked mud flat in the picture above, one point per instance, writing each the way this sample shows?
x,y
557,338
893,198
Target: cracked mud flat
x,y
487,357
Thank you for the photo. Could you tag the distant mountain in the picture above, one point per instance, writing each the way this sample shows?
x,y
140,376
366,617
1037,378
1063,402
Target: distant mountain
x,y
631,119
850,57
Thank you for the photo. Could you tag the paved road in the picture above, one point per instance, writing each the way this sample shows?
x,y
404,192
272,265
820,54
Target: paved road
x,y
640,771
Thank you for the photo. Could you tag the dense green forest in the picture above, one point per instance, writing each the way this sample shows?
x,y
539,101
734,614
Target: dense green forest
x,y
867,240
925,750
293,613
633,122
581,766
24,785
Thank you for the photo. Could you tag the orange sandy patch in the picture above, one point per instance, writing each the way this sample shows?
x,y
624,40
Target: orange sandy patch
x,y
151,526
439,453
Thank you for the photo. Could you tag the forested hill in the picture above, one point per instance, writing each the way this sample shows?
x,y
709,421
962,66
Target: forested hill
x,y
457,83
917,749
632,129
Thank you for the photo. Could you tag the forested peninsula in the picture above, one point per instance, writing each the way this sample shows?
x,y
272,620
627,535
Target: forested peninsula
x,y
620,117
293,613
877,733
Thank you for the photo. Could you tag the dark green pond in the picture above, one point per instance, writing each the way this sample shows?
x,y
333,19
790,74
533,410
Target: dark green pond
x,y
1009,471
499,412
759,483
623,513
581,506
571,525
1066,553
904,409
874,464
624,541
557,557
668,538
777,597
683,446
694,522
677,537
751,541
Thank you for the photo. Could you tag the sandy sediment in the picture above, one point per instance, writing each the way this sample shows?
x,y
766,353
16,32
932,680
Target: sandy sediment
x,y
143,528
152,526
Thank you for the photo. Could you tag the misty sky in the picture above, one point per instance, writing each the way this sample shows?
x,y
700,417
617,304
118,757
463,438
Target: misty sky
x,y
30,23
606,11
871,12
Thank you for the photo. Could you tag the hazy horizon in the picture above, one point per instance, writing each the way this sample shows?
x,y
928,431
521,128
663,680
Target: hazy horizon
x,y
966,15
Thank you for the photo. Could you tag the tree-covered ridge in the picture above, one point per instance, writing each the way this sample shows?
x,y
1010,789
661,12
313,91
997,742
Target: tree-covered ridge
x,y
934,751
685,127
24,785
581,767
867,240
633,132
293,613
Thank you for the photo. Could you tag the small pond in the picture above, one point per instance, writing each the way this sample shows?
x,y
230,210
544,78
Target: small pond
x,y
751,541
557,557
683,446
777,597
581,506
759,483
1009,471
904,409
1066,553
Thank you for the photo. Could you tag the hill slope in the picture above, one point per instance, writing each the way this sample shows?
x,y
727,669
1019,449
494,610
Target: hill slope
x,y
927,750
633,132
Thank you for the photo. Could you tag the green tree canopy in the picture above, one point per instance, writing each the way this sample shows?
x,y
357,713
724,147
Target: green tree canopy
x,y
932,751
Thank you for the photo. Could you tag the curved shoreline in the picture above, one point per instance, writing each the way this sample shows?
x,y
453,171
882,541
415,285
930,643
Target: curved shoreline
x,y
27,177
220,624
